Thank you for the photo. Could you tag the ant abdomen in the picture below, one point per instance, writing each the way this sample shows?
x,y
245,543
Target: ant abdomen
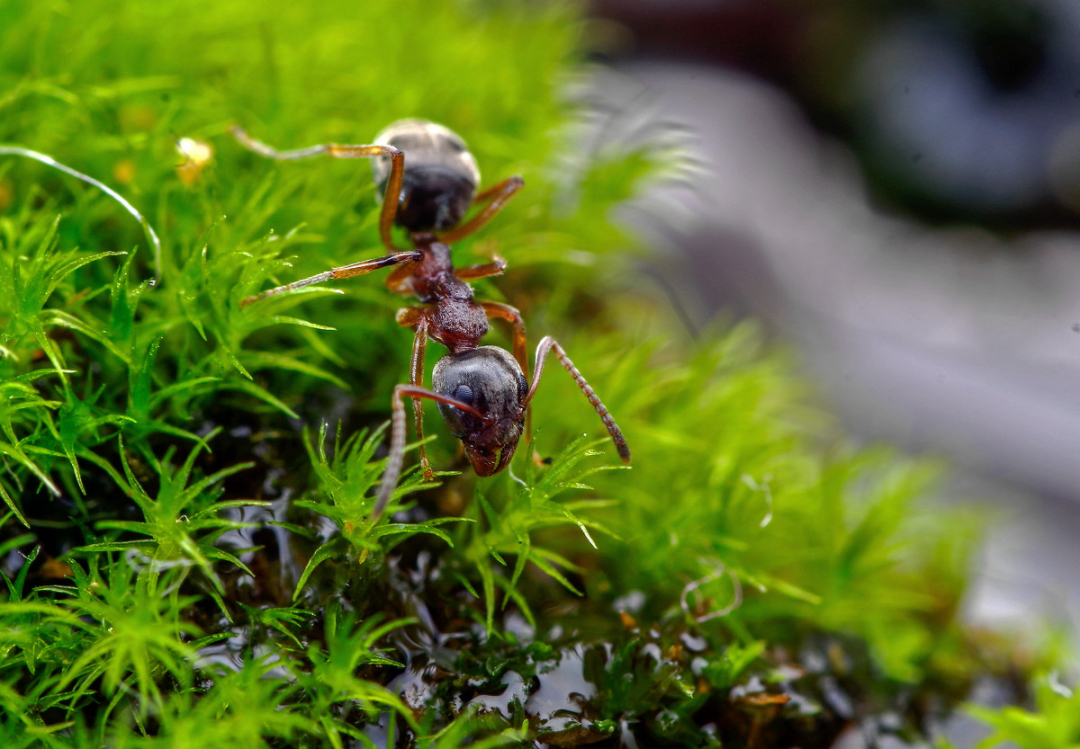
x,y
490,380
440,177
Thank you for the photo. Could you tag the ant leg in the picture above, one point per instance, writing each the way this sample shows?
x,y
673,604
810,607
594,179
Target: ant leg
x,y
496,197
400,279
485,270
511,314
345,271
397,440
416,319
516,183
272,153
393,182
548,344
506,312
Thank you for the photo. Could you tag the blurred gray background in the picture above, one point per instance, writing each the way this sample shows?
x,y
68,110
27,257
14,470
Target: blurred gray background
x,y
894,189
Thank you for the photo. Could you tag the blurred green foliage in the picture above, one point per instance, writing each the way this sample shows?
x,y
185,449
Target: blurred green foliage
x,y
188,564
1053,723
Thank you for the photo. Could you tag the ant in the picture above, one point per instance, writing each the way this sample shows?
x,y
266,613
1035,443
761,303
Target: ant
x,y
482,392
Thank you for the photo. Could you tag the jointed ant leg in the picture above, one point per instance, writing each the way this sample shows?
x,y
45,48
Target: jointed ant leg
x,y
513,184
548,344
485,270
400,279
417,319
393,182
345,271
397,440
496,197
506,312
510,314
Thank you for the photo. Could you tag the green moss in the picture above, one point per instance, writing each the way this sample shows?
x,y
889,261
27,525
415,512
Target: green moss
x,y
198,565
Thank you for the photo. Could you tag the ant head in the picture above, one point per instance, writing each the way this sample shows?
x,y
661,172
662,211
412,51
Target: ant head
x,y
440,177
488,379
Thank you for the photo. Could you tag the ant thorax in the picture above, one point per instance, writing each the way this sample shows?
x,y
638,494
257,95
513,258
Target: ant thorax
x,y
454,319
433,275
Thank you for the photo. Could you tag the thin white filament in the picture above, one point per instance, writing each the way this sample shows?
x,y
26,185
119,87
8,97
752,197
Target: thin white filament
x,y
151,236
716,574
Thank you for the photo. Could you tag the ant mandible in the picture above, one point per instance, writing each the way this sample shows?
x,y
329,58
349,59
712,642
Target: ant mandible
x,y
482,392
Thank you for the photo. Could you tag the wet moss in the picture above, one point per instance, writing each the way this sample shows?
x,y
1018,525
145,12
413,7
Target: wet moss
x,y
186,538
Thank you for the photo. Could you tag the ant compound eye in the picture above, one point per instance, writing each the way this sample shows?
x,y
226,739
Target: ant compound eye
x,y
464,393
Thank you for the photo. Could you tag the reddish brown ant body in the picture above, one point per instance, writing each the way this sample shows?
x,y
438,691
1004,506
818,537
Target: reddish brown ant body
x,y
482,392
